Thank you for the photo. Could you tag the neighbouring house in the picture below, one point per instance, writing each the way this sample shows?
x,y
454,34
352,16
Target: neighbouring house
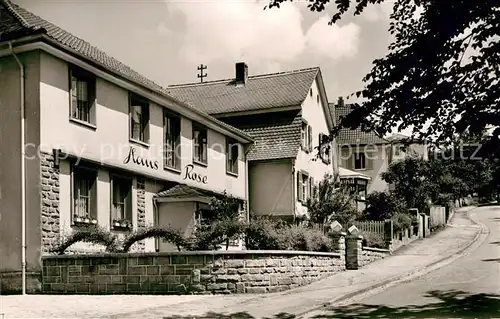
x,y
364,153
287,114
364,156
401,149
103,145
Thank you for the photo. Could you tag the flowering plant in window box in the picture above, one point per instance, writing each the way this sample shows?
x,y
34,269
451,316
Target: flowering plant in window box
x,y
77,219
84,219
122,223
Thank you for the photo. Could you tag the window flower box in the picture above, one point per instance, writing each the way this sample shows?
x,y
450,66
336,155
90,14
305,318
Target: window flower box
x,y
122,224
87,220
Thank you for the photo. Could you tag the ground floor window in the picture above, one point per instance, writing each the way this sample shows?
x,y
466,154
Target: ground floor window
x,y
121,200
357,187
84,195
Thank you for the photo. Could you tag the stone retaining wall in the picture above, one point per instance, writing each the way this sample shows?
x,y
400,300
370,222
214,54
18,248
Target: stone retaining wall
x,y
187,272
369,255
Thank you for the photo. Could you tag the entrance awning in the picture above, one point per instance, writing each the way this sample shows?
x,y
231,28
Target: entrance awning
x,y
345,173
185,193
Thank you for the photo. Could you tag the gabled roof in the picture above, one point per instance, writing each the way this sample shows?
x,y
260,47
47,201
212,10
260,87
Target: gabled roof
x,y
357,136
185,191
277,141
261,92
16,21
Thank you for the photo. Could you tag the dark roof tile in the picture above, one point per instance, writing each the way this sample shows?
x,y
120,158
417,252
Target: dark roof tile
x,y
277,141
357,136
13,18
260,92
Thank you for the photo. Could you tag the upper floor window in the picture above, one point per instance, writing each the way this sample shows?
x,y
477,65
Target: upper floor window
x,y
306,137
82,95
312,189
200,144
172,133
139,118
84,196
359,161
303,186
121,199
317,98
232,156
311,92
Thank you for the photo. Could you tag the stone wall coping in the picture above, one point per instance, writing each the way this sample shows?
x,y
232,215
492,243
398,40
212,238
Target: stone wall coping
x,y
380,250
194,253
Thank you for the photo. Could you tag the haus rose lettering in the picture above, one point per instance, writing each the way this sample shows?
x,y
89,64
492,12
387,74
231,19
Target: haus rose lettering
x,y
132,157
197,177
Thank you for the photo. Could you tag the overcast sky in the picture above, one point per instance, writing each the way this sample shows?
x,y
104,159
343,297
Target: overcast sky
x,y
167,40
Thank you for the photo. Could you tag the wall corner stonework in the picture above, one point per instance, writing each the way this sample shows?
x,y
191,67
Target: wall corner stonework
x,y
141,213
50,214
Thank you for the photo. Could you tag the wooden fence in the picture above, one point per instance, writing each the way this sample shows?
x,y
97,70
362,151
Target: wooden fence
x,y
376,227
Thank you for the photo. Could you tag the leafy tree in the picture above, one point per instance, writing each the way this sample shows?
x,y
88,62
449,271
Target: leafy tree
x,y
409,177
222,224
382,205
426,78
331,201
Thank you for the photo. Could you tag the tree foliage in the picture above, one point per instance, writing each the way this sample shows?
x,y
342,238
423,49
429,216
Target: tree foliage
x,y
382,206
331,201
427,77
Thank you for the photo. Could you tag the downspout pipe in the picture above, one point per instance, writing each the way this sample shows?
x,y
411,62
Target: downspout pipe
x,y
247,182
156,222
23,169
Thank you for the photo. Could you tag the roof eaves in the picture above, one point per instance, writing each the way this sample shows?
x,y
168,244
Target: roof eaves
x,y
161,93
326,108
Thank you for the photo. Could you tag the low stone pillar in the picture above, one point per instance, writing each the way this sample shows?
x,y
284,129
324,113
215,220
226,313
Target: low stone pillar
x,y
353,248
339,241
388,233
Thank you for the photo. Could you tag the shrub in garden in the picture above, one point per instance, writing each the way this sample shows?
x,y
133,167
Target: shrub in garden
x,y
374,240
331,201
309,239
167,233
400,222
89,234
222,224
265,233
382,205
211,236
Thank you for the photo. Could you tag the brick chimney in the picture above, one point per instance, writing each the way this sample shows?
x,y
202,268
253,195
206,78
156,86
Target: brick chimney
x,y
241,73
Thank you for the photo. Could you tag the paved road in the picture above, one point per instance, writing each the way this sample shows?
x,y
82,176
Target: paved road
x,y
419,255
467,288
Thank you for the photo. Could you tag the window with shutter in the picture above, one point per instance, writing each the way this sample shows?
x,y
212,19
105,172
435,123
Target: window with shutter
x,y
309,138
368,163
303,135
299,186
311,187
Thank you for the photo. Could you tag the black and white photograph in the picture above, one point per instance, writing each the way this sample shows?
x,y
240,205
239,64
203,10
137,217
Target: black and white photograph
x,y
249,159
